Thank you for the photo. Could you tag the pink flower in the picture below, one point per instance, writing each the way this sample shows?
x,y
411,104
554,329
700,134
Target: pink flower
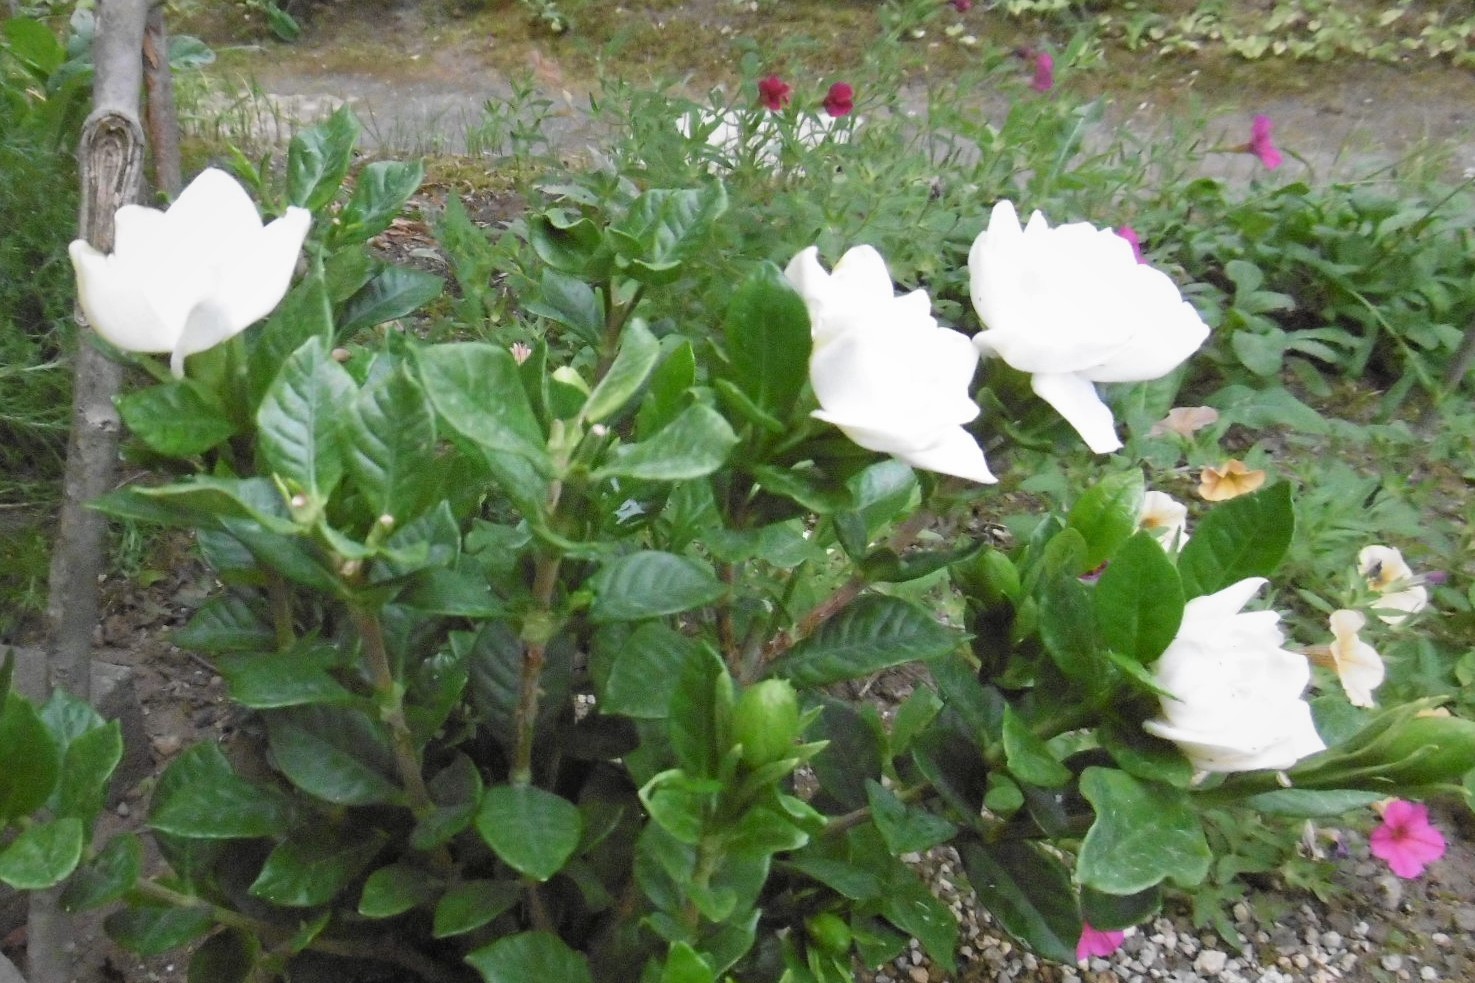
x,y
773,93
962,6
1130,234
1044,79
1095,942
1262,145
840,100
1406,839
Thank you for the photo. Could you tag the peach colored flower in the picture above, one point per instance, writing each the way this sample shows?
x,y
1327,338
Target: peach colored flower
x,y
1184,421
1229,480
1358,664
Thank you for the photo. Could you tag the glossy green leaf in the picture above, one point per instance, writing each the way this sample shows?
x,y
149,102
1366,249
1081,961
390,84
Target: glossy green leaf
x,y
32,759
875,632
299,421
766,334
459,377
1028,757
855,756
310,867
649,584
151,930
87,768
395,889
1029,892
1244,537
1106,515
529,956
906,829
318,159
305,313
284,679
1144,833
667,394
534,831
43,855
108,877
633,364
1068,631
335,754
644,672
395,292
693,445
1115,912
174,418
1139,600
468,906
199,796
228,956
570,302
390,449
379,194
911,907
685,965
227,624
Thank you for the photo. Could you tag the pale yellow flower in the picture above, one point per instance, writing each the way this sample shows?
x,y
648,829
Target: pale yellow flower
x,y
1166,518
1229,480
1400,593
1358,664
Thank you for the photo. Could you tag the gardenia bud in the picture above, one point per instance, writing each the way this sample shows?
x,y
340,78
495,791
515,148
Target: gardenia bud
x,y
766,722
829,932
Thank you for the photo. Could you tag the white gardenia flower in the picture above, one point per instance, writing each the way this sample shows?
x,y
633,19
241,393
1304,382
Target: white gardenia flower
x,y
184,280
1391,577
1358,664
882,369
1072,307
1166,518
1237,702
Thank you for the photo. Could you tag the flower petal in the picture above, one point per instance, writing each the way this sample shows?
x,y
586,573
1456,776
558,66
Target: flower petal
x,y
115,304
1076,399
262,270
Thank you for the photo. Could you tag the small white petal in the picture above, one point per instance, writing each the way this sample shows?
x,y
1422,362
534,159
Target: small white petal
x,y
1076,399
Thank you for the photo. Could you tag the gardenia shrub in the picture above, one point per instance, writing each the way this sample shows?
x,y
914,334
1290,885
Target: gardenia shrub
x,y
539,644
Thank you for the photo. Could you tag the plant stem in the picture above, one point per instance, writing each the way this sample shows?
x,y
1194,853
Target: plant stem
x,y
392,695
850,820
349,948
537,630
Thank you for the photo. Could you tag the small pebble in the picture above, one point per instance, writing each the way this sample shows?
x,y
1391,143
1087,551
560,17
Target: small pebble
x,y
1392,962
1211,962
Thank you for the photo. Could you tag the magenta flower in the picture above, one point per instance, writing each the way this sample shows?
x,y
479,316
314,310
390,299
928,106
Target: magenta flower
x,y
1044,79
962,6
1262,145
773,93
840,100
1130,234
1095,942
1406,839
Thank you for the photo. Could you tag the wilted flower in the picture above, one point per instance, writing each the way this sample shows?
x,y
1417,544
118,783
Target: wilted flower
x,y
1237,702
1044,79
1166,518
1184,421
1096,943
1229,480
184,280
1397,587
882,369
1130,234
1073,307
773,93
1406,838
1357,663
840,100
1262,145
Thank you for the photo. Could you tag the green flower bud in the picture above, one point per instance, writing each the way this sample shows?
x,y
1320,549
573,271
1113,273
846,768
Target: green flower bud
x,y
1430,751
766,722
829,932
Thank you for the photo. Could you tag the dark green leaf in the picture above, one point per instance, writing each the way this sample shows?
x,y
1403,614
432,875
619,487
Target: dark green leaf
x,y
394,293
645,670
664,227
1028,757
310,867
395,889
304,314
534,831
912,908
639,351
226,624
32,760
693,445
379,192
1068,630
391,447
459,377
1030,893
1139,600
151,930
318,159
569,301
299,421
529,956
904,828
766,332
199,796
174,418
854,757
334,753
1244,537
87,767
650,584
284,679
108,877
469,905
228,956
1115,912
873,633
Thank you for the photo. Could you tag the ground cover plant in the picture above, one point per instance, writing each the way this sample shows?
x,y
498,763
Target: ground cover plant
x,y
545,590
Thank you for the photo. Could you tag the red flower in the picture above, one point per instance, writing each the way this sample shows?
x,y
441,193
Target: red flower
x,y
773,93
962,6
1261,144
840,100
1406,839
1044,79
